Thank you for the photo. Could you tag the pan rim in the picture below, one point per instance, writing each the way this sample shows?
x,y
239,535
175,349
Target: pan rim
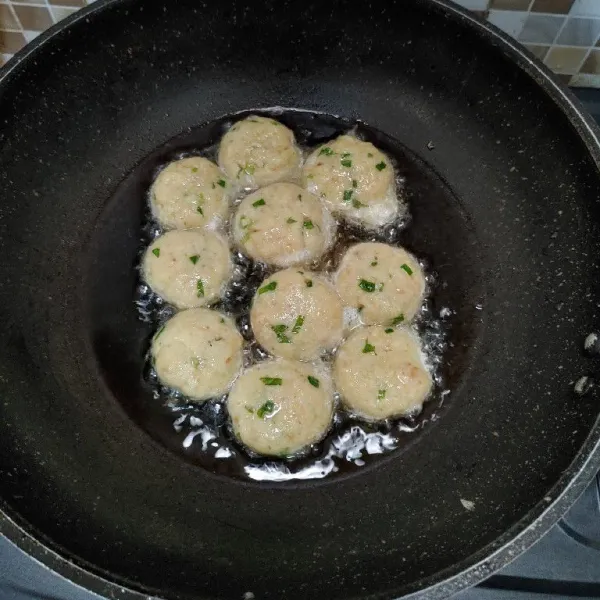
x,y
478,566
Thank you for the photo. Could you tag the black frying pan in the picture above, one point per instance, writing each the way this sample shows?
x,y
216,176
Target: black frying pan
x,y
515,239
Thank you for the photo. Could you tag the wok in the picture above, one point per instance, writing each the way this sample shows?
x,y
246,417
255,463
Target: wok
x,y
514,240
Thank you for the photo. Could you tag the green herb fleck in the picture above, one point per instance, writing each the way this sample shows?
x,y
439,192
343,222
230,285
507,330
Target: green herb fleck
x,y
270,287
194,169
380,287
298,324
199,289
279,331
194,259
406,268
222,183
346,155
380,166
158,333
374,263
348,195
308,282
195,362
381,395
346,162
248,168
308,224
366,286
156,252
389,330
260,202
222,320
397,320
360,308
249,409
354,183
326,151
267,408
291,220
370,154
357,203
313,381
368,348
199,209
272,380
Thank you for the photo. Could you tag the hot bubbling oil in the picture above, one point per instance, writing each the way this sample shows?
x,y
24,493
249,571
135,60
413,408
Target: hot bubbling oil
x,y
204,433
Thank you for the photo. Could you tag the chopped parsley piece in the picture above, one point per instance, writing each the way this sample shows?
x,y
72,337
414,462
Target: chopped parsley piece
x,y
346,162
308,282
370,154
291,220
366,286
313,381
368,348
162,328
195,362
299,197
298,324
156,252
279,331
406,268
380,287
260,202
272,380
266,409
348,195
326,151
222,320
199,289
308,224
357,203
249,409
397,320
222,183
194,259
354,183
248,168
374,263
346,155
199,209
194,169
389,330
380,166
270,287
381,395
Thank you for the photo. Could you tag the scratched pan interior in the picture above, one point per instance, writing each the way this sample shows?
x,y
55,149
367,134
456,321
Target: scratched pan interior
x,y
98,95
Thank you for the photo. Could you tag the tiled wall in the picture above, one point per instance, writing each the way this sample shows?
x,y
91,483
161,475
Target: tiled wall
x,y
565,34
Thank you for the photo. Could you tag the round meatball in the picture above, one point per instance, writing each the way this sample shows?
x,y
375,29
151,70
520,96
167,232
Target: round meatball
x,y
297,314
384,283
258,151
379,373
283,225
188,268
279,407
198,352
189,193
355,179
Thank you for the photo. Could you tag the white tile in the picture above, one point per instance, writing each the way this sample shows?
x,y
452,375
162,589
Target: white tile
x,y
585,80
473,4
510,21
30,35
588,8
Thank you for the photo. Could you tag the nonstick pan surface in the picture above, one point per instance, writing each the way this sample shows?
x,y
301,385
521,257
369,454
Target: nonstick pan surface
x,y
514,238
